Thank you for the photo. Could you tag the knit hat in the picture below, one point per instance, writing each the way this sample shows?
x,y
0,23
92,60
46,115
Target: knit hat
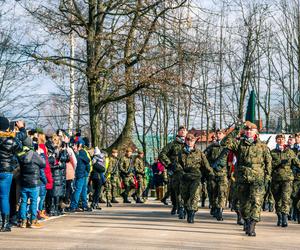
x,y
4,123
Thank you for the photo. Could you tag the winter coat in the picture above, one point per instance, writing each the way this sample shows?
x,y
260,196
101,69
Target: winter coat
x,y
254,161
83,164
283,163
71,165
47,170
98,167
31,165
9,147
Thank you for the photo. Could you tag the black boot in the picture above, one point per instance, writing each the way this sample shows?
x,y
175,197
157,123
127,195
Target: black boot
x,y
239,218
126,199
173,211
212,211
108,204
219,214
188,212
252,228
113,200
138,200
164,200
202,202
192,216
246,226
284,220
279,219
5,224
134,196
181,213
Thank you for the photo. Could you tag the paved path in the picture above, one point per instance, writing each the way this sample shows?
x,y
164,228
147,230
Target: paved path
x,y
149,226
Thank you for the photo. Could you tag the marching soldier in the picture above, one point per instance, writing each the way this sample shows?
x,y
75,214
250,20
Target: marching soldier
x,y
169,157
283,159
218,186
254,164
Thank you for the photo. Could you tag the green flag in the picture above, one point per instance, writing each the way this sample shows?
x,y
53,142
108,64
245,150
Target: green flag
x,y
250,114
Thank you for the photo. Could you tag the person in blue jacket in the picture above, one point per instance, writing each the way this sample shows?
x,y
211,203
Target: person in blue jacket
x,y
81,178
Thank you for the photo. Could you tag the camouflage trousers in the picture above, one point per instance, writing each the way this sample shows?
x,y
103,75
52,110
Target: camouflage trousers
x,y
190,192
282,191
203,191
234,196
176,189
251,196
129,184
296,194
269,198
218,190
111,187
141,185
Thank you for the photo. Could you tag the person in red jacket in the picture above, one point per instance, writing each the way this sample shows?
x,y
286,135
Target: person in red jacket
x,y
44,188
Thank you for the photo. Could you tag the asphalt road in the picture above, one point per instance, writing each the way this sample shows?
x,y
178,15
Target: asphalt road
x,y
150,226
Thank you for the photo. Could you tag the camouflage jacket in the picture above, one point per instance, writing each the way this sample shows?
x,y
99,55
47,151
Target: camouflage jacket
x,y
169,155
139,166
254,161
283,163
126,166
113,166
217,161
194,165
296,170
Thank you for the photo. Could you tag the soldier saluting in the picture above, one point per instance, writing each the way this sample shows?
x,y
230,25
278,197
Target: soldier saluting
x,y
253,169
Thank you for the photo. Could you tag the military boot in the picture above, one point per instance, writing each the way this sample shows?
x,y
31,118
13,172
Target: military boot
x,y
181,214
279,219
164,200
108,204
113,200
173,211
126,199
192,216
252,228
246,226
5,224
188,212
138,200
202,202
239,218
219,215
284,220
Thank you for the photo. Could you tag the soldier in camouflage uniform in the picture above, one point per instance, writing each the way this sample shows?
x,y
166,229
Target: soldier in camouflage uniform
x,y
127,174
283,159
253,169
139,168
194,164
218,186
112,176
169,157
296,182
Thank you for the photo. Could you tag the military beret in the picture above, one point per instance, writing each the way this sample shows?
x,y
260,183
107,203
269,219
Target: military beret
x,y
279,136
249,125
